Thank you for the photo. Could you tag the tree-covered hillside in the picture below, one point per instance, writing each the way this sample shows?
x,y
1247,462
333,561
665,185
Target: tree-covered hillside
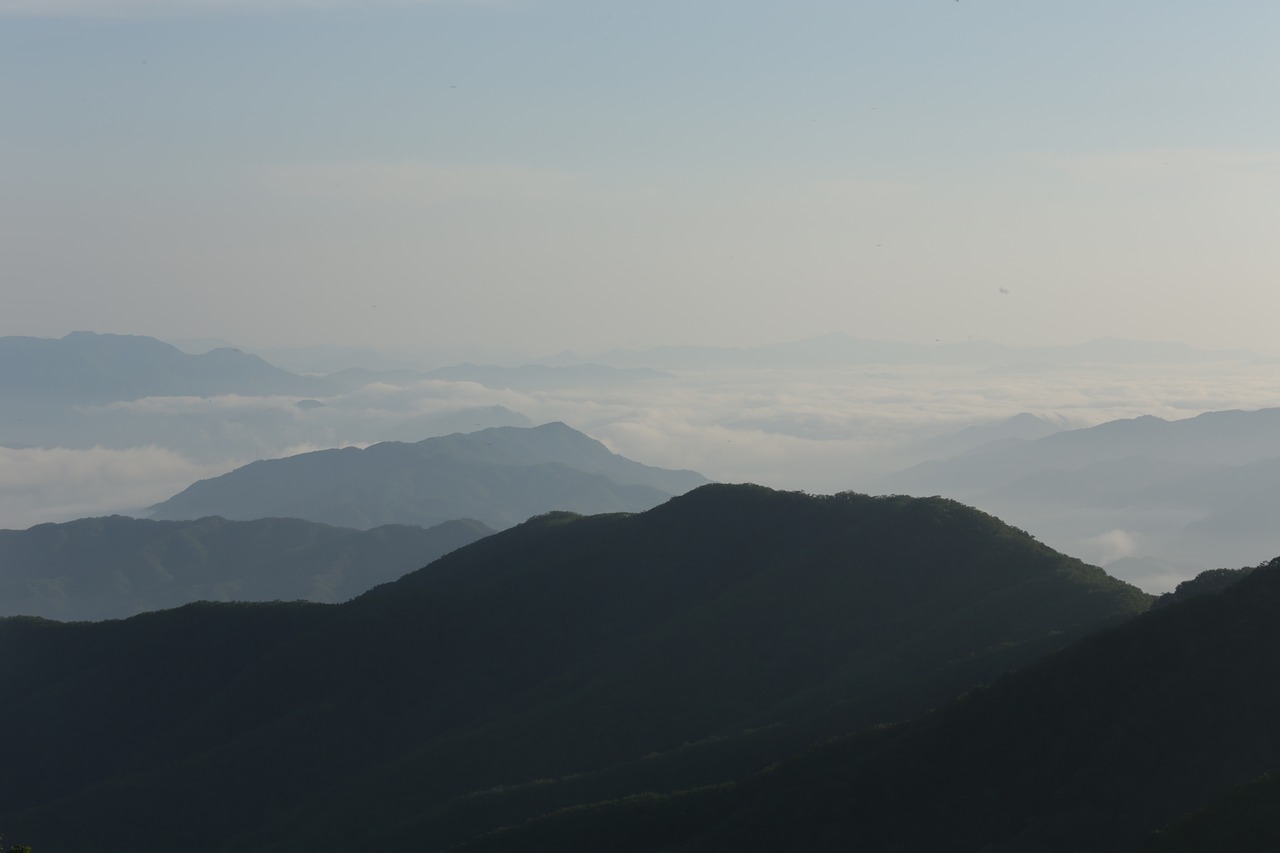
x,y
114,567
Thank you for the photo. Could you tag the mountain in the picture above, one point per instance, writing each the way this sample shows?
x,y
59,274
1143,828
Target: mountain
x,y
1024,426
566,659
110,568
84,367
1093,748
1196,491
500,476
1212,438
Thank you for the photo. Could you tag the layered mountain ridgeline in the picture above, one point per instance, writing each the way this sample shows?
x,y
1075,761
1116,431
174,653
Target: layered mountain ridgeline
x,y
1210,440
1178,496
1093,749
500,476
84,367
1018,428
564,660
110,568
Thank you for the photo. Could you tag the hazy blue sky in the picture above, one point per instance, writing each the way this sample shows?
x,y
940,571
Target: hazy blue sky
x,y
543,174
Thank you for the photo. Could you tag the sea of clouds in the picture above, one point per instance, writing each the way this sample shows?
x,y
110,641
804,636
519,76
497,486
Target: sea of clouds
x,y
816,430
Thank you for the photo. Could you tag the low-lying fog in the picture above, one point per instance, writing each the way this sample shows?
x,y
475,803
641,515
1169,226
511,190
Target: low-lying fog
x,y
813,429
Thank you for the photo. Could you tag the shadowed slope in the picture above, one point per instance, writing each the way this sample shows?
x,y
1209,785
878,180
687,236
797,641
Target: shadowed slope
x,y
1091,749
693,643
89,368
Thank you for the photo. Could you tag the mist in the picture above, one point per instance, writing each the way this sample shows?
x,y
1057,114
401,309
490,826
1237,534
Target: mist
x,y
814,424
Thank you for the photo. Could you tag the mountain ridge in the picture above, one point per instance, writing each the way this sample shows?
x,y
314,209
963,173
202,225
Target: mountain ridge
x,y
500,476
115,567
746,621
87,367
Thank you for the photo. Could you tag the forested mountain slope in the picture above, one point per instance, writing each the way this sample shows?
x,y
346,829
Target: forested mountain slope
x,y
500,476
1093,749
694,643
84,367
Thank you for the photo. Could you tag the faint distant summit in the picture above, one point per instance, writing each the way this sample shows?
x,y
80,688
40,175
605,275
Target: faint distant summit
x,y
500,476
86,367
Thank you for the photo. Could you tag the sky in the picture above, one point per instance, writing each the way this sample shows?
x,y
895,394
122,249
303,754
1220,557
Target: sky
x,y
539,175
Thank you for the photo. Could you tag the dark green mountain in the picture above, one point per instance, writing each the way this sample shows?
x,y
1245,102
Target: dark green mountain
x,y
500,476
1186,446
84,367
1091,749
110,568
1244,820
565,660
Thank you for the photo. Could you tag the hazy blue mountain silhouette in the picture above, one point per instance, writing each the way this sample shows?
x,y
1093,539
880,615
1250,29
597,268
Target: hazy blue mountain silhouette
x,y
114,567
500,476
697,642
92,368
1213,438
1195,493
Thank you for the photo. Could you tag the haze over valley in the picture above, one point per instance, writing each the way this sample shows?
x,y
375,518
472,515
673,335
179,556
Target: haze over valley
x,y
116,424
499,426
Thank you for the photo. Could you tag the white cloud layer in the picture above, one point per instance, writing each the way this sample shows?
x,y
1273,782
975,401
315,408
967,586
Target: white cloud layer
x,y
58,484
1114,544
815,430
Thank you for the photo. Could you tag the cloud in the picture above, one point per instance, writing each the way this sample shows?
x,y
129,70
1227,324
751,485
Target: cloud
x,y
818,430
1111,545
57,484
220,404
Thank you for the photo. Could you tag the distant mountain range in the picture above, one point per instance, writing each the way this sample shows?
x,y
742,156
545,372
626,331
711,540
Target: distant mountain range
x,y
90,368
568,659
111,568
1022,427
500,476
1201,489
